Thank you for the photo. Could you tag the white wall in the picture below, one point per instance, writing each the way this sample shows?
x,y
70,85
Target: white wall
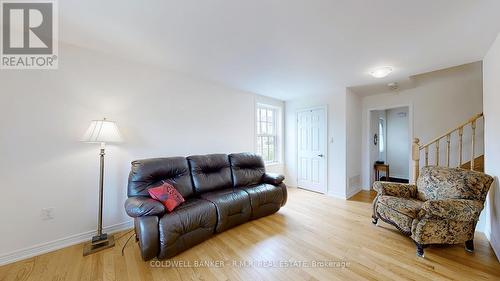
x,y
44,114
438,101
491,72
398,142
353,131
336,105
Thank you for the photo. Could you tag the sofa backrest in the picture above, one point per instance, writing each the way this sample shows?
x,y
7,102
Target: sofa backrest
x,y
210,172
149,173
247,168
452,183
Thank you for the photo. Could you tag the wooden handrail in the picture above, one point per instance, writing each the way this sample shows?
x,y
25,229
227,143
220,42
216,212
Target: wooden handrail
x,y
417,148
474,118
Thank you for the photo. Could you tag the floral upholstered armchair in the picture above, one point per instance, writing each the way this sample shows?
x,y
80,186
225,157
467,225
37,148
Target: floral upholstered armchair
x,y
443,208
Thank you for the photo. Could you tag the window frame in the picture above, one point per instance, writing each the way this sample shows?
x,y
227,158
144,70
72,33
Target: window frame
x,y
275,134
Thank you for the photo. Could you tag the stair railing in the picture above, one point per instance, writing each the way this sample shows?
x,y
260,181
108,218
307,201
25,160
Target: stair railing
x,y
417,148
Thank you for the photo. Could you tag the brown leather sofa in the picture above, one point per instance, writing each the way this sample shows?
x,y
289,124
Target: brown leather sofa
x,y
221,191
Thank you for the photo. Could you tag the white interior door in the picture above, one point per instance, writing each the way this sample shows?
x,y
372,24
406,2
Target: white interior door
x,y
312,151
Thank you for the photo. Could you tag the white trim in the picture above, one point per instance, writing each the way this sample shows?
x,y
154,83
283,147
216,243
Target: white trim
x,y
346,196
299,110
59,243
337,195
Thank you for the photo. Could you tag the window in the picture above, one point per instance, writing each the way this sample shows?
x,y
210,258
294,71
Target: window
x,y
381,136
381,140
267,133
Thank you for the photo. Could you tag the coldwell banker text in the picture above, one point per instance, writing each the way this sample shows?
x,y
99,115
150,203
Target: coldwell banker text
x,y
29,35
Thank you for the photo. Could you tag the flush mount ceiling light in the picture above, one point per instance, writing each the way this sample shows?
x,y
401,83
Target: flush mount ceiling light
x,y
381,72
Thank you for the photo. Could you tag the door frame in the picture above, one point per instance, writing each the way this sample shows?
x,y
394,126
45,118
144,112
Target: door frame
x,y
368,141
325,128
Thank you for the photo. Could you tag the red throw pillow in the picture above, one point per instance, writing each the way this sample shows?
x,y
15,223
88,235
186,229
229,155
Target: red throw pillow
x,y
167,195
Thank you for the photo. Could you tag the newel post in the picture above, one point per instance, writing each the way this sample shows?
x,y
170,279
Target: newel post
x,y
415,157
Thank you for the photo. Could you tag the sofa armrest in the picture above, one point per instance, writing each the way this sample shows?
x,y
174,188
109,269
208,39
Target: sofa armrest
x,y
274,179
148,234
452,209
143,206
402,190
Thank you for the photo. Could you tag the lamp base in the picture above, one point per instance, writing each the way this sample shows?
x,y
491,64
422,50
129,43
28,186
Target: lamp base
x,y
98,243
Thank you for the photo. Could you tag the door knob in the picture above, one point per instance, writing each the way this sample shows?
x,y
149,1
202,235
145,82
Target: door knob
x,y
320,155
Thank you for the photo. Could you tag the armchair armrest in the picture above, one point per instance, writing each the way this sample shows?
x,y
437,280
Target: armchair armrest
x,y
402,190
272,178
452,209
143,206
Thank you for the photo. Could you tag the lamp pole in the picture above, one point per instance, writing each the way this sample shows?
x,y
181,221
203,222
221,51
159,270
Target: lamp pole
x,y
101,191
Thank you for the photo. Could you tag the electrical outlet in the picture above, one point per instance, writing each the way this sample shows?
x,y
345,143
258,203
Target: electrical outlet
x,y
47,214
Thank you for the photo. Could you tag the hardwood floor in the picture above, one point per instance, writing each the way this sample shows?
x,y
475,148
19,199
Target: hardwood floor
x,y
311,227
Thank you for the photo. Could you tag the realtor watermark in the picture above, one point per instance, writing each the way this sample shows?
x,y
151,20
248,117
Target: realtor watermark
x,y
250,263
29,34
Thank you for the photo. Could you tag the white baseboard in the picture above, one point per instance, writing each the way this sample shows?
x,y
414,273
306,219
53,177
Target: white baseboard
x,y
353,192
337,195
58,244
345,196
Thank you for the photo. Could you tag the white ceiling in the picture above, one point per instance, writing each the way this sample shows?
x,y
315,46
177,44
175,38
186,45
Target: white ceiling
x,y
290,48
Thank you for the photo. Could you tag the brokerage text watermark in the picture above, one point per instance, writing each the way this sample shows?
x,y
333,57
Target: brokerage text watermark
x,y
250,263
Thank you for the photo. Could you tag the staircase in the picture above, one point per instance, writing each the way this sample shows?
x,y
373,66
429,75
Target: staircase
x,y
476,163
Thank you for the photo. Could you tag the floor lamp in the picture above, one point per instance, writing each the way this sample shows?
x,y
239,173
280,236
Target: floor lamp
x,y
101,131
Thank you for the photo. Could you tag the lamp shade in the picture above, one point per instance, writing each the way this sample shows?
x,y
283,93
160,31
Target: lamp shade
x,y
102,131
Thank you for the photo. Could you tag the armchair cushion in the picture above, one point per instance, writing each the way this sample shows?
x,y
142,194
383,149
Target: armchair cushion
x,y
398,219
141,206
408,207
402,190
274,179
451,209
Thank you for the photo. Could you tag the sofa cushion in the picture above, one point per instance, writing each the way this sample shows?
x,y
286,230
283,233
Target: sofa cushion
x,y
233,207
247,168
189,224
210,172
265,199
452,183
405,206
149,173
